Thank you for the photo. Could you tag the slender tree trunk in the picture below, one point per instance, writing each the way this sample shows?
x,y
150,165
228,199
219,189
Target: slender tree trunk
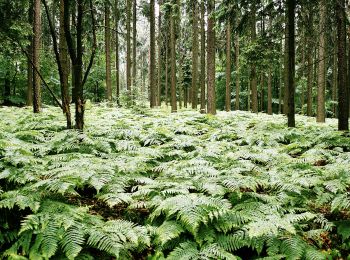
x,y
194,54
335,78
321,108
159,83
36,56
108,53
309,60
64,60
237,55
291,61
343,110
286,68
211,58
173,63
152,63
128,45
253,78
262,98
134,43
203,72
166,72
117,69
228,66
269,93
30,54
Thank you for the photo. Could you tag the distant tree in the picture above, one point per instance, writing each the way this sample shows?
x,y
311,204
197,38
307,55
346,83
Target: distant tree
x,y
194,54
108,53
202,58
173,57
152,63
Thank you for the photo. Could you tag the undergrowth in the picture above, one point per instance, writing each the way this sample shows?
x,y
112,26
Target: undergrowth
x,y
152,185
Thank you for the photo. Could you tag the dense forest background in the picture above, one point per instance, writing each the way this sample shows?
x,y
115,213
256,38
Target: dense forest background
x,y
262,56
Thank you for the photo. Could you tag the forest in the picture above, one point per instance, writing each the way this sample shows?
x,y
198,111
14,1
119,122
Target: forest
x,y
174,129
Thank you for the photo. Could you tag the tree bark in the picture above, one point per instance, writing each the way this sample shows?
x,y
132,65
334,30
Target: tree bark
x,y
29,64
203,72
173,62
152,62
237,55
343,110
134,43
63,56
321,108
36,56
228,66
309,60
253,77
117,70
211,58
159,83
291,61
108,53
128,46
269,93
194,55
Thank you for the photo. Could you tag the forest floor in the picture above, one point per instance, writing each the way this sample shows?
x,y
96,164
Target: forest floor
x,y
182,186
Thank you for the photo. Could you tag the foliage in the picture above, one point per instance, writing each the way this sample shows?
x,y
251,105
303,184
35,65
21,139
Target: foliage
x,y
184,186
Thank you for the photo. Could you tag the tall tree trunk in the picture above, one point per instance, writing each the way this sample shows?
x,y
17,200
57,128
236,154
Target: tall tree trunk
x,y
152,63
117,70
228,66
343,110
262,93
253,77
173,62
291,61
203,72
36,56
108,53
194,55
211,58
309,61
335,78
128,45
134,43
63,51
237,50
269,93
166,71
286,64
30,54
159,83
321,108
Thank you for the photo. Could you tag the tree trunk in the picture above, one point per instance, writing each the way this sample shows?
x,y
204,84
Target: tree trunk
x,y
343,110
253,79
203,72
63,50
152,62
237,50
262,93
30,54
159,83
269,93
211,58
291,61
108,53
228,66
286,64
310,76
134,43
173,62
128,45
117,70
335,79
194,54
321,108
36,56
